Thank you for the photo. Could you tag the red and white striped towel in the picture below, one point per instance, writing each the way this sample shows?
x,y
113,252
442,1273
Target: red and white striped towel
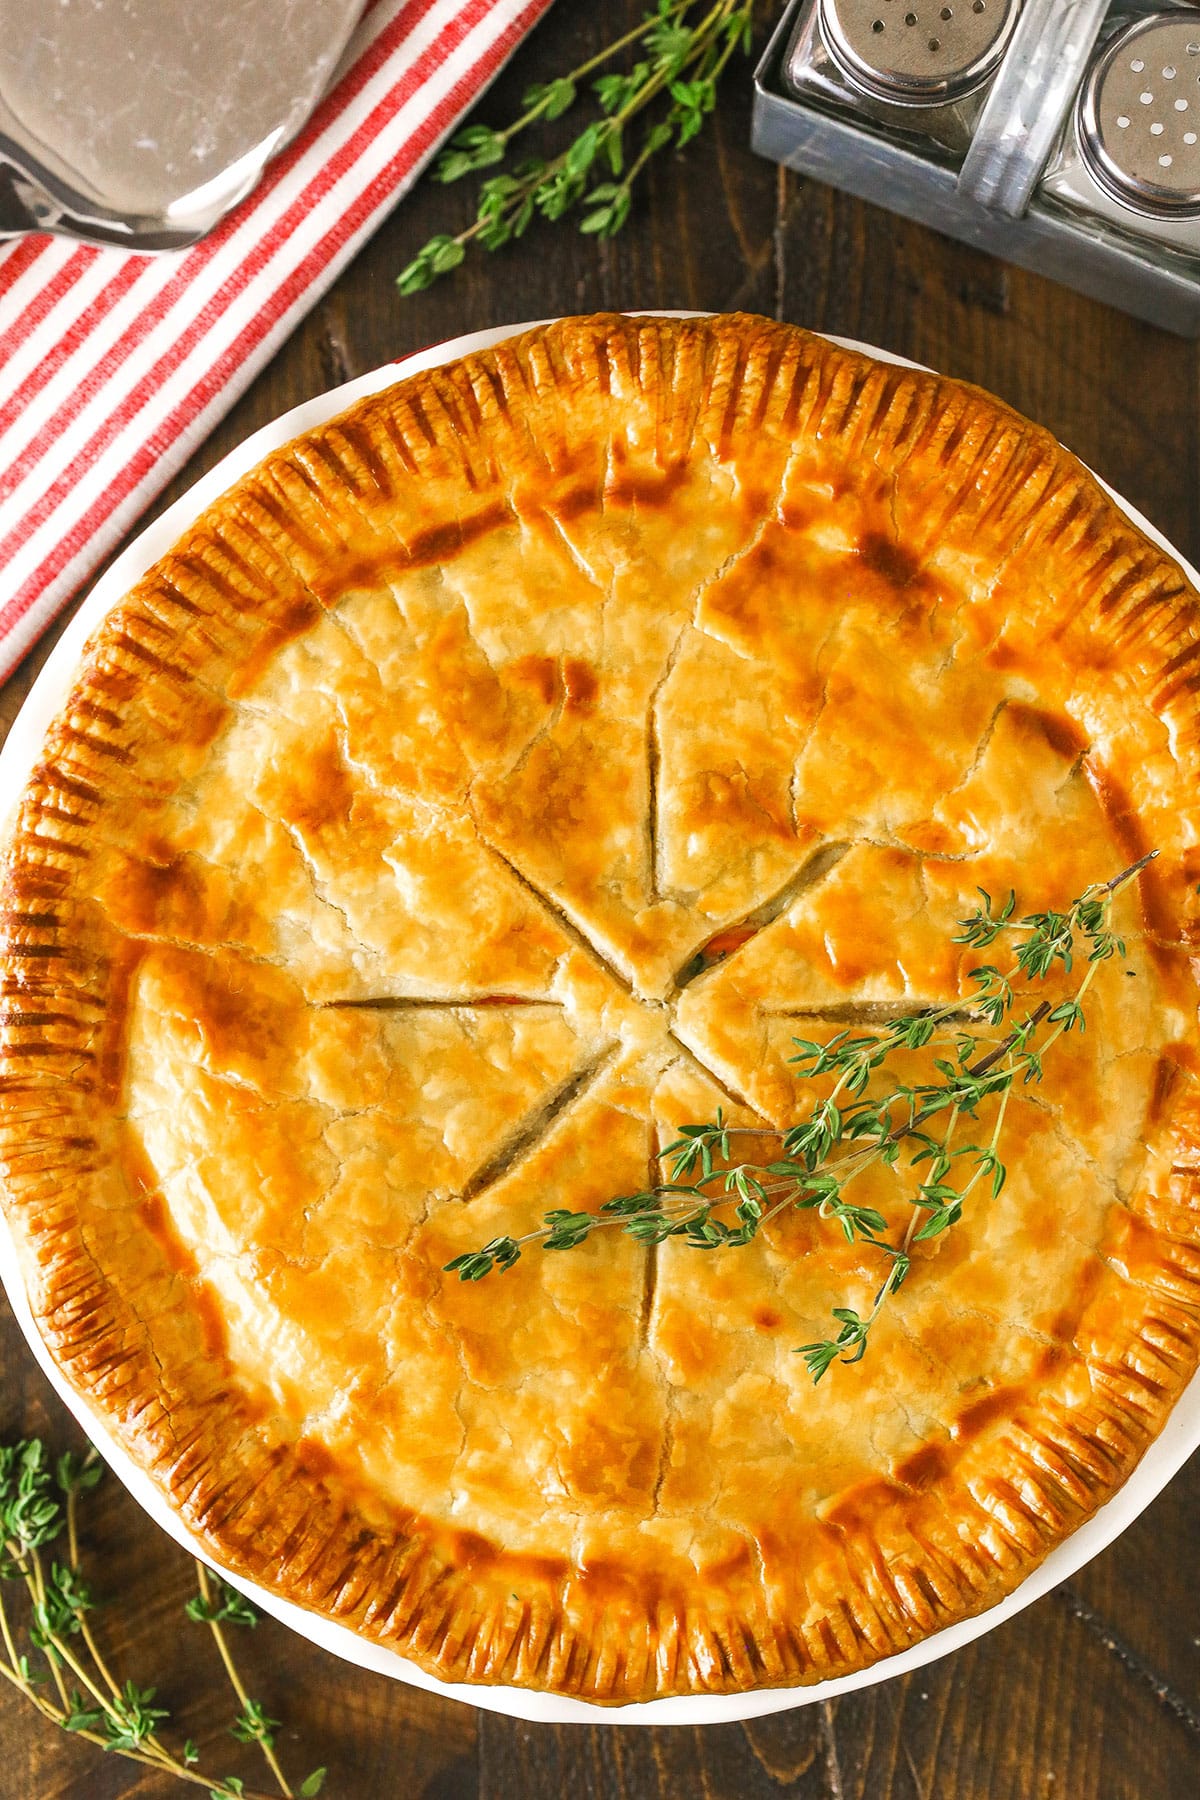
x,y
114,367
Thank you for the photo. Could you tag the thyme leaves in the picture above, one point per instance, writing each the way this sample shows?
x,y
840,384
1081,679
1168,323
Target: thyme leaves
x,y
713,1201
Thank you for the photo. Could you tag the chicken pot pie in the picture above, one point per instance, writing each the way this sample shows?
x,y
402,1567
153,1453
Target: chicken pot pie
x,y
496,779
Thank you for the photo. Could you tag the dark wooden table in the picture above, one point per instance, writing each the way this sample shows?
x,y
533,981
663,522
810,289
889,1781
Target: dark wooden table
x,y
1093,1694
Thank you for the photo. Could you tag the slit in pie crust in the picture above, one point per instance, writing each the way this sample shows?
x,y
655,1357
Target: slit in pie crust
x,y
495,779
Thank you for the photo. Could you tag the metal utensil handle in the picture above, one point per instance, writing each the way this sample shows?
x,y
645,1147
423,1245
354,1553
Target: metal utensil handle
x,y
1030,98
14,219
28,204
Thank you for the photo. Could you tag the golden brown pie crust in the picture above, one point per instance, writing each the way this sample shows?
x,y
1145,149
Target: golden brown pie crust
x,y
357,911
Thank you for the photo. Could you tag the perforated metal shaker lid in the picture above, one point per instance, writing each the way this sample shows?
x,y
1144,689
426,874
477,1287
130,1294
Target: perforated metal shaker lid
x,y
914,52
1139,116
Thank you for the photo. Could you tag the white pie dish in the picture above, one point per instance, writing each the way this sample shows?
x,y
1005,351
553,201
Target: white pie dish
x,y
1180,1436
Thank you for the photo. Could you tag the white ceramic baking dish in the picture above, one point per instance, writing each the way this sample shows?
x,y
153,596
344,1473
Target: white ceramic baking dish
x,y
1170,1450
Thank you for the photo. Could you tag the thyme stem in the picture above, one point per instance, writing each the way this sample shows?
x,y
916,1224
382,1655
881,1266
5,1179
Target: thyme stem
x,y
72,1510
121,1720
986,1063
683,62
28,1563
854,1127
235,1680
544,104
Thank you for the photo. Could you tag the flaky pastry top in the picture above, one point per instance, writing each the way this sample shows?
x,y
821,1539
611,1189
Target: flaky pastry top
x,y
497,778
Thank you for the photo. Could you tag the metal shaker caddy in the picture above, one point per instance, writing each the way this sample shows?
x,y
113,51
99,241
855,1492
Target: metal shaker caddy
x,y
1063,135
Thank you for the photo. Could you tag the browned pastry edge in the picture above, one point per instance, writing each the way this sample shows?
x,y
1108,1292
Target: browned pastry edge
x,y
902,1561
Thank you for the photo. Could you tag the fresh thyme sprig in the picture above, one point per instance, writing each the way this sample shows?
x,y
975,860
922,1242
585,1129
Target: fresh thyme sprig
x,y
67,1678
854,1127
681,57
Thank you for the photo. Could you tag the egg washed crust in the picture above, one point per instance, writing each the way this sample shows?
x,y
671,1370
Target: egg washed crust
x,y
356,912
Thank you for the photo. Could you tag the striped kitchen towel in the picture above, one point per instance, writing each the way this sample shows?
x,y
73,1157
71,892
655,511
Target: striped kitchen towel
x,y
114,367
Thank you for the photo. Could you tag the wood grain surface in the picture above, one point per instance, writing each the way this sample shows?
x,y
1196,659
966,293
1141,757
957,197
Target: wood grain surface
x,y
1094,1693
